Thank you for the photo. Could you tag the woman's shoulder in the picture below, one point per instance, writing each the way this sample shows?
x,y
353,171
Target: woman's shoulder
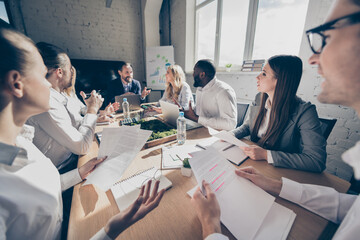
x,y
185,87
302,106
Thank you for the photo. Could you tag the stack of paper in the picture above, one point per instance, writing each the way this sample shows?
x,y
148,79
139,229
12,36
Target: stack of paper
x,y
246,210
120,145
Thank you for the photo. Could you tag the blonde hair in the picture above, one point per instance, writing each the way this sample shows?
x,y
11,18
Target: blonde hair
x,y
173,89
70,91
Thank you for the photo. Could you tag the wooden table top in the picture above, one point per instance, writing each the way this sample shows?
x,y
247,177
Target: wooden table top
x,y
175,217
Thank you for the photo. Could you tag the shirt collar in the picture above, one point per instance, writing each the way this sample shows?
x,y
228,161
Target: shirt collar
x,y
267,104
351,157
125,85
58,96
8,153
209,84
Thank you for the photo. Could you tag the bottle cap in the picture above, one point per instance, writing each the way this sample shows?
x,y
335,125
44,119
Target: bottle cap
x,y
181,114
125,99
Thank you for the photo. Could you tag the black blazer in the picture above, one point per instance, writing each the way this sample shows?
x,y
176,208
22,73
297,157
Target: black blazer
x,y
116,88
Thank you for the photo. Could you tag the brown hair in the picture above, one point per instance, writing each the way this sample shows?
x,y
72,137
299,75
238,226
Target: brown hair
x,y
173,89
287,70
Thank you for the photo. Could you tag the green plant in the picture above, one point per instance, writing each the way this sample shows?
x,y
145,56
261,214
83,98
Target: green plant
x,y
186,163
228,65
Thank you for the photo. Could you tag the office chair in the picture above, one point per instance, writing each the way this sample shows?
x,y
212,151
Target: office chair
x,y
326,126
241,109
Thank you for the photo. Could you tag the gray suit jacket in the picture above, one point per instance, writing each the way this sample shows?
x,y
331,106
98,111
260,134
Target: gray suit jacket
x,y
301,145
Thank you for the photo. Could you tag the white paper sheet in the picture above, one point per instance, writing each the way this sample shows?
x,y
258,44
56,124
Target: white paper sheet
x,y
173,157
243,205
230,138
277,223
121,146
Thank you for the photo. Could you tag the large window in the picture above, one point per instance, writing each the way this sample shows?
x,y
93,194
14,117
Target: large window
x,y
230,31
3,13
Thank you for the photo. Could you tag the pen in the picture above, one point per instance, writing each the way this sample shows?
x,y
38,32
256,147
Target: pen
x,y
89,94
232,145
179,157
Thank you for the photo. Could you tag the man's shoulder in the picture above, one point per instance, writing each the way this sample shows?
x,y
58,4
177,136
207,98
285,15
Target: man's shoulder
x,y
136,82
222,86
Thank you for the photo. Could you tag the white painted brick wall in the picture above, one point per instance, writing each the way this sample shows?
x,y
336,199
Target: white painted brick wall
x,y
86,29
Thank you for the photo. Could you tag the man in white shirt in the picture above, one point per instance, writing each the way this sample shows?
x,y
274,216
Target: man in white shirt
x,y
215,100
337,56
55,134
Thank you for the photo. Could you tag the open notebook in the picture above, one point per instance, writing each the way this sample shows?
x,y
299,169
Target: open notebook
x,y
126,191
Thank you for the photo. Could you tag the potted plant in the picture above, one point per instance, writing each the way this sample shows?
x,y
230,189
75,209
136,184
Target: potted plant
x,y
228,67
186,168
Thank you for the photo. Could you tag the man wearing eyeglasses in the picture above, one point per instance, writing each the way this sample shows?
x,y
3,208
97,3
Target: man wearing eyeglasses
x,y
336,48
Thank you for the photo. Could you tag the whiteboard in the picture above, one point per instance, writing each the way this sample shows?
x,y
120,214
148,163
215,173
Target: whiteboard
x,y
158,59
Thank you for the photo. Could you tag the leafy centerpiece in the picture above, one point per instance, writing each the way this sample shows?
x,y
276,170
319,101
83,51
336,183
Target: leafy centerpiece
x,y
160,129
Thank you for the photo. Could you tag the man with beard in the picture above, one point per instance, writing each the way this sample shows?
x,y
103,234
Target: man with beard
x,y
215,100
336,49
55,134
125,84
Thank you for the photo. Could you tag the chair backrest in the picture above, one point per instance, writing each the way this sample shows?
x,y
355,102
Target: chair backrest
x,y
241,109
327,126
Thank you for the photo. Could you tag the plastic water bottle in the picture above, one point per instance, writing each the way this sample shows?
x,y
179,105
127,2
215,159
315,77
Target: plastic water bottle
x,y
126,109
181,129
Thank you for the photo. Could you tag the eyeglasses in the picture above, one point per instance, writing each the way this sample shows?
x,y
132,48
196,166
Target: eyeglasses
x,y
316,36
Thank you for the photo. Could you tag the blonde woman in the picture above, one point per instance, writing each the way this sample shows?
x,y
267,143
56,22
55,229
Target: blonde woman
x,y
77,109
177,90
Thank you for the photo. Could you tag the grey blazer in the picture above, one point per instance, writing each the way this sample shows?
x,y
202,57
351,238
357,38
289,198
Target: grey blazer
x,y
301,145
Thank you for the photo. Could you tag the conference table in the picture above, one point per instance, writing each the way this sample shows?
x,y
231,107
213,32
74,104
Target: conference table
x,y
175,217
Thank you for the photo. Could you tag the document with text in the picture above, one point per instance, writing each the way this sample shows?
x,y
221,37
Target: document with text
x,y
243,205
121,146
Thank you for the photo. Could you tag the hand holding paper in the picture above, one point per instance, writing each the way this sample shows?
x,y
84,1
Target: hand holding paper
x,y
255,152
268,184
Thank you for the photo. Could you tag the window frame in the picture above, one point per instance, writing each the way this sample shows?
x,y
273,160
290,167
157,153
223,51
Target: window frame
x,y
7,8
249,37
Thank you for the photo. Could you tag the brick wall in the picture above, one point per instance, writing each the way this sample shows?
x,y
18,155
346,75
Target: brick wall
x,y
86,29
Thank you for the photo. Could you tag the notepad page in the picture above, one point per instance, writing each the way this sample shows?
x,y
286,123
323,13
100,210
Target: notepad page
x,y
126,192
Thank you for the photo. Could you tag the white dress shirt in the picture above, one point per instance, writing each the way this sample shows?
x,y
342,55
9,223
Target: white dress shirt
x,y
340,208
30,192
76,108
216,105
185,96
56,137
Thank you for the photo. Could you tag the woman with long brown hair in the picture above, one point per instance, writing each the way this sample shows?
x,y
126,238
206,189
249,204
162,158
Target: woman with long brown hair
x,y
177,90
285,128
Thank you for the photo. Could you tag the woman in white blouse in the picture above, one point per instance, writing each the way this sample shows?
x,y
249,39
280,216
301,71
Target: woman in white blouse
x,y
30,193
177,90
77,109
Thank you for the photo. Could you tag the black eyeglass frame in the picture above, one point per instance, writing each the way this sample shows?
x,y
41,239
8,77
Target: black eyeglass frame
x,y
334,24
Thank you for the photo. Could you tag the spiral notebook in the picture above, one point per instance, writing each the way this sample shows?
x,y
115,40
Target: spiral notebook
x,y
126,191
